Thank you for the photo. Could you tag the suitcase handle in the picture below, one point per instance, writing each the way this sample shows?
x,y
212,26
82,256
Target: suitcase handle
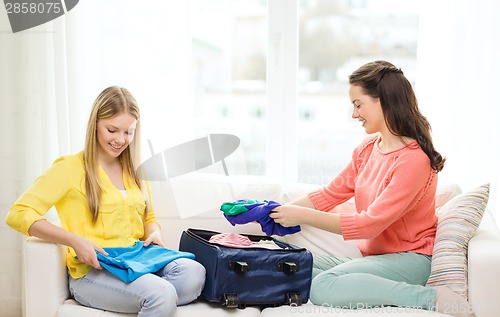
x,y
288,267
239,266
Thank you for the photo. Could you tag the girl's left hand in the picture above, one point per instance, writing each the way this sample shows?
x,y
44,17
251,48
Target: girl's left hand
x,y
287,215
155,238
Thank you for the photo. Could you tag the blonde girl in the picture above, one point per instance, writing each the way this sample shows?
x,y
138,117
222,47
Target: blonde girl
x,y
102,204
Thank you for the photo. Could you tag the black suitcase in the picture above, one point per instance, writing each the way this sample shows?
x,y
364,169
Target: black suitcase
x,y
237,277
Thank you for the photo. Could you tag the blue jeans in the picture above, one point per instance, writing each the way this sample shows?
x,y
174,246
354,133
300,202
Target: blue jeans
x,y
396,279
151,295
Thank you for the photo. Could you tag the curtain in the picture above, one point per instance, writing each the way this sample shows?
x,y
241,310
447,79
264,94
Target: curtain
x,y
456,86
34,99
34,127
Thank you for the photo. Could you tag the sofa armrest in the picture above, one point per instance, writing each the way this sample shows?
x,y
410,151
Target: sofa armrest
x,y
45,280
484,271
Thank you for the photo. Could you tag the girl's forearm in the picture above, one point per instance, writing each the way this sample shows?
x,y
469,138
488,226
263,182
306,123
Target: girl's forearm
x,y
45,230
323,220
303,201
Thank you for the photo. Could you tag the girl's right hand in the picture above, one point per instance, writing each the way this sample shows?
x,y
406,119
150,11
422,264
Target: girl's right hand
x,y
84,248
85,251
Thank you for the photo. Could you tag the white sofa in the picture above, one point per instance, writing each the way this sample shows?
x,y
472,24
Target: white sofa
x,y
45,291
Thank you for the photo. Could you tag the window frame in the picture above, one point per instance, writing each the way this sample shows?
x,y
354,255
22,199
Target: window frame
x,y
282,69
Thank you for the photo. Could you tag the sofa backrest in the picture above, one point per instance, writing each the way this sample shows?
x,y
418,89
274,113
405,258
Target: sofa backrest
x,y
194,202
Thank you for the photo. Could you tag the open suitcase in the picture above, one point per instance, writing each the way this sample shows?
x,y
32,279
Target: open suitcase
x,y
237,277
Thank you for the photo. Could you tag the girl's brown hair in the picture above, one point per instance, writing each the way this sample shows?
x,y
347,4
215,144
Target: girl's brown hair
x,y
382,80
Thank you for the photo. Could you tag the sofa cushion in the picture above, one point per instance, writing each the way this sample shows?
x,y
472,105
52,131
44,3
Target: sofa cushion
x,y
72,308
201,194
458,220
311,310
445,193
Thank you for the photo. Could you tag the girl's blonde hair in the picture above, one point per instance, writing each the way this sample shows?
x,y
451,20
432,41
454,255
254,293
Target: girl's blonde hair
x,y
111,102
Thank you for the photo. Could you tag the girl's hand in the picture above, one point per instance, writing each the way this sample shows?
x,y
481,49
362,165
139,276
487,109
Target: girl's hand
x,y
85,251
288,215
155,238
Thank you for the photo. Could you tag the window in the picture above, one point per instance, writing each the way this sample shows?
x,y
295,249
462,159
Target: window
x,y
307,77
229,77
273,73
335,38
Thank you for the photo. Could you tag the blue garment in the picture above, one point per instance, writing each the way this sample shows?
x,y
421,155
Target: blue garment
x,y
256,211
129,263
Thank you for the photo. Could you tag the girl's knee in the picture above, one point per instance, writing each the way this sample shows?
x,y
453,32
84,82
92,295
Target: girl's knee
x,y
196,269
194,275
162,300
314,293
322,289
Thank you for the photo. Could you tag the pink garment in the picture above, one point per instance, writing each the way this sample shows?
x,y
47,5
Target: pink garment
x,y
235,240
395,199
231,240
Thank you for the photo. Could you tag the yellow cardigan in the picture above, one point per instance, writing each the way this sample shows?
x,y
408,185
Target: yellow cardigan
x,y
120,221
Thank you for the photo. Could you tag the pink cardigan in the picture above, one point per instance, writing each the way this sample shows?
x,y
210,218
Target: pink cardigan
x,y
395,199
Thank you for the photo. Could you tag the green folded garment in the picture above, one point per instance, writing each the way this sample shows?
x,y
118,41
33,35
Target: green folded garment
x,y
238,207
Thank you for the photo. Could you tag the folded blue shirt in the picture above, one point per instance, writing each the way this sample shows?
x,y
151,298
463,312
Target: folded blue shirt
x,y
129,263
256,211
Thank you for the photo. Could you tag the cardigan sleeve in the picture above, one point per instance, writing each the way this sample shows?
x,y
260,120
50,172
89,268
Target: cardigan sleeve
x,y
47,189
339,190
342,187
